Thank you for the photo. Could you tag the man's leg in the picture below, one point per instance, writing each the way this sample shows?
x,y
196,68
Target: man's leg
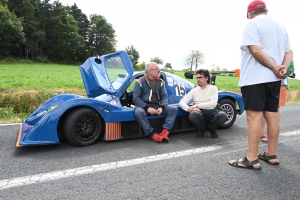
x,y
257,98
273,128
222,118
254,119
141,117
213,121
197,118
264,138
171,113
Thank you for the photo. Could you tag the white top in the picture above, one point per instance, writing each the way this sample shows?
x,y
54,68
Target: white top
x,y
273,39
205,98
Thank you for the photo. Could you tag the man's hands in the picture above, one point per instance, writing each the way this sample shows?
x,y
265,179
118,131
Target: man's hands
x,y
153,111
265,60
193,108
280,71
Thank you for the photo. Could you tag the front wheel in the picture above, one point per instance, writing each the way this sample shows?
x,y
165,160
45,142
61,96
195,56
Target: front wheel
x,y
83,127
229,109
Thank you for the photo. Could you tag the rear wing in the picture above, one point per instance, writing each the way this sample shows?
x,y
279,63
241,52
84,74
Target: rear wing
x,y
190,74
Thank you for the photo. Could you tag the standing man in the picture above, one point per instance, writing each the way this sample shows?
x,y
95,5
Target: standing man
x,y
266,54
151,98
205,97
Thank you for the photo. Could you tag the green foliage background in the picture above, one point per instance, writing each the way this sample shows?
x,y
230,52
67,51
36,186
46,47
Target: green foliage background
x,y
46,30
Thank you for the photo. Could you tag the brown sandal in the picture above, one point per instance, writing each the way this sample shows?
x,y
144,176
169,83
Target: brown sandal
x,y
267,159
245,163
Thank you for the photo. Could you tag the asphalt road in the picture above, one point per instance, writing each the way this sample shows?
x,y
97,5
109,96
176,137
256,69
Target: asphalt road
x,y
185,168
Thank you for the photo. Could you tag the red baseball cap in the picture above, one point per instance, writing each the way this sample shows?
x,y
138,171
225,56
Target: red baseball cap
x,y
256,4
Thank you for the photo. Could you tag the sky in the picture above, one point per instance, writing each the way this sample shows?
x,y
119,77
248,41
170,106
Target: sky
x,y
171,29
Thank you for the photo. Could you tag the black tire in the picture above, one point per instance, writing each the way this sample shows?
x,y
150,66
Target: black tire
x,y
83,127
229,108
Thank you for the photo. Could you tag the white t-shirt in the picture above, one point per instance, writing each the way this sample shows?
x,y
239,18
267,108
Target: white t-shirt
x,y
205,97
273,39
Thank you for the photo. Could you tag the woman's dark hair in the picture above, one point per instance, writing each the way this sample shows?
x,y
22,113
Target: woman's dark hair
x,y
205,73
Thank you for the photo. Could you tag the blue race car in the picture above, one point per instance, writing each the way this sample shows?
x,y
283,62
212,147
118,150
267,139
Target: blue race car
x,y
108,111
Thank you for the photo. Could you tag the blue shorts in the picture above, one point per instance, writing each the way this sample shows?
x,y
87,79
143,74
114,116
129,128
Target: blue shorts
x,y
261,97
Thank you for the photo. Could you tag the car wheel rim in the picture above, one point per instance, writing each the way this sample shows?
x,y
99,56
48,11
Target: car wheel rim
x,y
227,108
86,128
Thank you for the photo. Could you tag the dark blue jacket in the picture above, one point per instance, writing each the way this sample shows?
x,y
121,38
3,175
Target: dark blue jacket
x,y
142,93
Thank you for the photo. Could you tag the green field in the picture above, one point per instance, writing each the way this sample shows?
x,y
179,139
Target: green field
x,y
39,76
24,86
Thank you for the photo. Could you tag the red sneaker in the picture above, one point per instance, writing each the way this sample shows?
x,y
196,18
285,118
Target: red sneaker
x,y
164,133
156,137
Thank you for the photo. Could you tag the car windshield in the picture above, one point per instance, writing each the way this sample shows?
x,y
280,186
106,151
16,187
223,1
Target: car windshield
x,y
119,81
116,72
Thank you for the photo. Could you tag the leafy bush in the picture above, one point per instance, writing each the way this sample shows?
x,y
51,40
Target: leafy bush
x,y
26,101
42,59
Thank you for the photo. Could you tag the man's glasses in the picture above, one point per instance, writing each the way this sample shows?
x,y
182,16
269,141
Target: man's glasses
x,y
199,77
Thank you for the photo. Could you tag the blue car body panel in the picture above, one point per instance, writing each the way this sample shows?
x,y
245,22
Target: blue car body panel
x,y
235,97
104,93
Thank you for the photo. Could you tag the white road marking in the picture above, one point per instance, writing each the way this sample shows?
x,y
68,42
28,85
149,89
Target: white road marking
x,y
289,133
39,178
10,124
43,177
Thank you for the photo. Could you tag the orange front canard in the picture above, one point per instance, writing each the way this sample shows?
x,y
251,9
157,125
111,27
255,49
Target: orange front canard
x,y
19,137
113,131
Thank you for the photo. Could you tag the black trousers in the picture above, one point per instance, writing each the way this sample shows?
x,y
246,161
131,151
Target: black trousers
x,y
206,119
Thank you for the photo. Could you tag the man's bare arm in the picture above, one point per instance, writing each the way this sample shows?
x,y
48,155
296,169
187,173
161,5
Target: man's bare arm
x,y
264,59
288,58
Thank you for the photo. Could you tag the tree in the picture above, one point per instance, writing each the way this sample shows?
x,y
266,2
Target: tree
x,y
224,69
133,54
215,68
194,59
168,66
157,60
45,15
63,39
81,18
11,31
28,10
141,66
101,36
3,2
83,24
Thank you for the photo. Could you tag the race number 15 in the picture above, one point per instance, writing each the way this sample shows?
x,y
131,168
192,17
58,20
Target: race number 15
x,y
179,89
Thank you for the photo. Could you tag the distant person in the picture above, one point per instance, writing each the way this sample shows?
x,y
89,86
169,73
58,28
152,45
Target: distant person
x,y
203,113
150,98
266,54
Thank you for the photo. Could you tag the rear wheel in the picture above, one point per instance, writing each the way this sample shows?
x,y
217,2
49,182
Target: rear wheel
x,y
83,127
229,109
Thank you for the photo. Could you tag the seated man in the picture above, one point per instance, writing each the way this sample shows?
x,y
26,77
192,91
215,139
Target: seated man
x,y
203,113
151,98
